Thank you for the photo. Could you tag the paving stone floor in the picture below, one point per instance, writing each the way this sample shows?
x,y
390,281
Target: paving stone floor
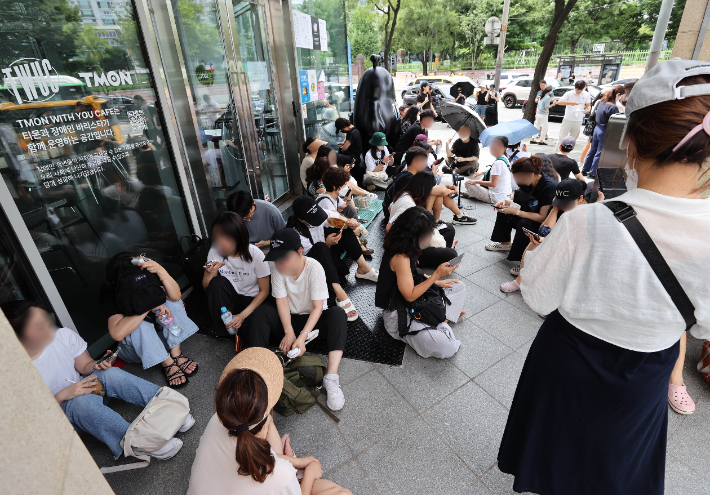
x,y
430,426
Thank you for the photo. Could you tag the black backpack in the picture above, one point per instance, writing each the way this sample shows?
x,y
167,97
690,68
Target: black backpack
x,y
138,291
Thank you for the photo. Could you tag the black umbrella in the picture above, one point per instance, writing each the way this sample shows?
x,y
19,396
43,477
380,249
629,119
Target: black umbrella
x,y
457,115
465,87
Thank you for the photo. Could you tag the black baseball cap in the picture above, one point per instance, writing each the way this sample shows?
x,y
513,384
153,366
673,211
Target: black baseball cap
x,y
568,190
283,242
306,209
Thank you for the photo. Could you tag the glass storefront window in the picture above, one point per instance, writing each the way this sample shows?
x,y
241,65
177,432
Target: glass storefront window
x,y
82,151
326,65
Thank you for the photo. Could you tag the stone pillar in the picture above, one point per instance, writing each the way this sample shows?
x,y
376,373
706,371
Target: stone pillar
x,y
689,31
39,450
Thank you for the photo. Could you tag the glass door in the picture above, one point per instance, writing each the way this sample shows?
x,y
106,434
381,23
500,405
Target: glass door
x,y
252,39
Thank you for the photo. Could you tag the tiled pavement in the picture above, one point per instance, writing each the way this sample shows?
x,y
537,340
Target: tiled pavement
x,y
430,426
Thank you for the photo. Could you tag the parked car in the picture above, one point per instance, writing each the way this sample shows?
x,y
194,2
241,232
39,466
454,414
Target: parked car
x,y
450,80
519,89
619,82
558,111
505,80
123,103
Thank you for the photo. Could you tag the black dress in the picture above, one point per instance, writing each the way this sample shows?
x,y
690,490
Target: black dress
x,y
588,417
491,111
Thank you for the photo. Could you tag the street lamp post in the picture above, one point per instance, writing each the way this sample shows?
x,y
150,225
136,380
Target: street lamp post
x,y
501,43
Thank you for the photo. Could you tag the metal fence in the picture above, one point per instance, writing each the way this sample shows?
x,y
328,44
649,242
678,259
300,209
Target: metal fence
x,y
524,61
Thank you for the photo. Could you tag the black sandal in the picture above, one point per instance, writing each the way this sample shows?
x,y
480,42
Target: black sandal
x,y
177,374
184,366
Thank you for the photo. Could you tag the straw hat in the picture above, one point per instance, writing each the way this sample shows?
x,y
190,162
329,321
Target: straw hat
x,y
265,364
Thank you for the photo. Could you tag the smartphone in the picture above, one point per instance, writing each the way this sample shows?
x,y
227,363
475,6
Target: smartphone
x,y
534,234
347,192
110,357
498,207
209,264
456,260
438,161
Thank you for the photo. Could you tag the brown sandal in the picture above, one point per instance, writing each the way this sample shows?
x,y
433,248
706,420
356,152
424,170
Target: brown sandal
x,y
177,374
184,366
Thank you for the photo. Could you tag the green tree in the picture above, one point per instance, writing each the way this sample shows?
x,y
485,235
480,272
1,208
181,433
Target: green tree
x,y
390,10
427,26
363,31
49,27
473,24
90,47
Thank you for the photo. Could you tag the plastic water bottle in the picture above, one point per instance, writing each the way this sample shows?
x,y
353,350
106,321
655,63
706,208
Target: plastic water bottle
x,y
169,322
226,318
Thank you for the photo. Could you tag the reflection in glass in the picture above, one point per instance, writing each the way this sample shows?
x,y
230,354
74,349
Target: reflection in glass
x,y
330,68
206,66
256,62
82,150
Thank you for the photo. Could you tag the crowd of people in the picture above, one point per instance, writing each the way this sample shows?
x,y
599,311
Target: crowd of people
x,y
612,329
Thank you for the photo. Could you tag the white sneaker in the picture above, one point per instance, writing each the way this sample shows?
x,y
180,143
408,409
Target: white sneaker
x,y
189,423
497,246
336,399
169,450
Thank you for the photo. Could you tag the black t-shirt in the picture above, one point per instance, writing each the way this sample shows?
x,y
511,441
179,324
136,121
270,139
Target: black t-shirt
x,y
355,140
564,165
401,181
466,150
481,98
421,97
387,283
461,99
407,140
544,191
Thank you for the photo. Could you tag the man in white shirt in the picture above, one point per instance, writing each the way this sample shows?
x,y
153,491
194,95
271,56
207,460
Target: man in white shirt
x,y
210,109
301,292
578,102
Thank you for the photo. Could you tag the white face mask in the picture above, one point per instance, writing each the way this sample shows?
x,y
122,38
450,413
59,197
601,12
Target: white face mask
x,y
632,176
464,137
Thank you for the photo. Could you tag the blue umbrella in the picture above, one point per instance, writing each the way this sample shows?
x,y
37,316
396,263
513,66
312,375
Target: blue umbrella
x,y
514,130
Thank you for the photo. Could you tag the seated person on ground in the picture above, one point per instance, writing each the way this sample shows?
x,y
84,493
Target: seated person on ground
x,y
433,162
533,200
240,452
238,280
568,195
135,304
314,174
377,161
416,161
346,162
311,222
402,282
515,152
262,218
419,192
495,183
564,165
299,286
426,120
463,155
310,147
333,181
60,356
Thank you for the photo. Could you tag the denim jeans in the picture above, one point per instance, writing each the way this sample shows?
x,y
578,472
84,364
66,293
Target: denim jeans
x,y
481,110
592,161
90,414
149,346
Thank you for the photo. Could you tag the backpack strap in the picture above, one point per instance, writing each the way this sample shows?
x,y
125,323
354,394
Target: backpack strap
x,y
626,214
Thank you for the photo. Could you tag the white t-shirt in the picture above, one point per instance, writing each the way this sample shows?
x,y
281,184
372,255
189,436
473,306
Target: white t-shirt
x,y
592,271
504,186
214,470
371,163
350,184
57,360
576,112
317,232
328,203
242,274
403,203
309,286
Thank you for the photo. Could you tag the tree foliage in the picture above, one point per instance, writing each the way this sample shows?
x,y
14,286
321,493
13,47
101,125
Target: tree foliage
x,y
363,31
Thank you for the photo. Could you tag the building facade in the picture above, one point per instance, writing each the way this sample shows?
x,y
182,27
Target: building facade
x,y
124,126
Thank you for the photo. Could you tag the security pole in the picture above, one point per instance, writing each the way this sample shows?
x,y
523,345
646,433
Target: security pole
x,y
501,45
659,34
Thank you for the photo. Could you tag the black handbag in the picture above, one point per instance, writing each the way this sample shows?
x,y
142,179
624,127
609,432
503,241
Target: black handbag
x,y
429,308
193,262
590,122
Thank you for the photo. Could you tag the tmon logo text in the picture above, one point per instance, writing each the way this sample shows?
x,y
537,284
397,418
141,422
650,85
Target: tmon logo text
x,y
34,77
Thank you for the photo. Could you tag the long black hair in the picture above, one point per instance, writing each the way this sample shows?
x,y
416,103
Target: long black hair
x,y
403,237
300,227
317,169
233,226
419,188
114,267
411,115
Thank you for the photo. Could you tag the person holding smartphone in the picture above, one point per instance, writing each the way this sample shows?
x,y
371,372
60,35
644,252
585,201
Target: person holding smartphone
x,y
60,356
401,280
494,184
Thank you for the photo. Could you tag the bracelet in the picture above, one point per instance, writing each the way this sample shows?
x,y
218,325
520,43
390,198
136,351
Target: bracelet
x,y
304,331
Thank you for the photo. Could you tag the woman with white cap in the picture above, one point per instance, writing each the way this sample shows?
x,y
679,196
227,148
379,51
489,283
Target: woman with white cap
x,y
240,451
621,281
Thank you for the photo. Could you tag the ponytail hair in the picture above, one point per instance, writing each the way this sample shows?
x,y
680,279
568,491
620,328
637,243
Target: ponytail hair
x,y
241,401
528,165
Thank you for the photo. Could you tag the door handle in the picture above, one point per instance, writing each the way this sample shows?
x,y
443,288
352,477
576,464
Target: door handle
x,y
295,109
